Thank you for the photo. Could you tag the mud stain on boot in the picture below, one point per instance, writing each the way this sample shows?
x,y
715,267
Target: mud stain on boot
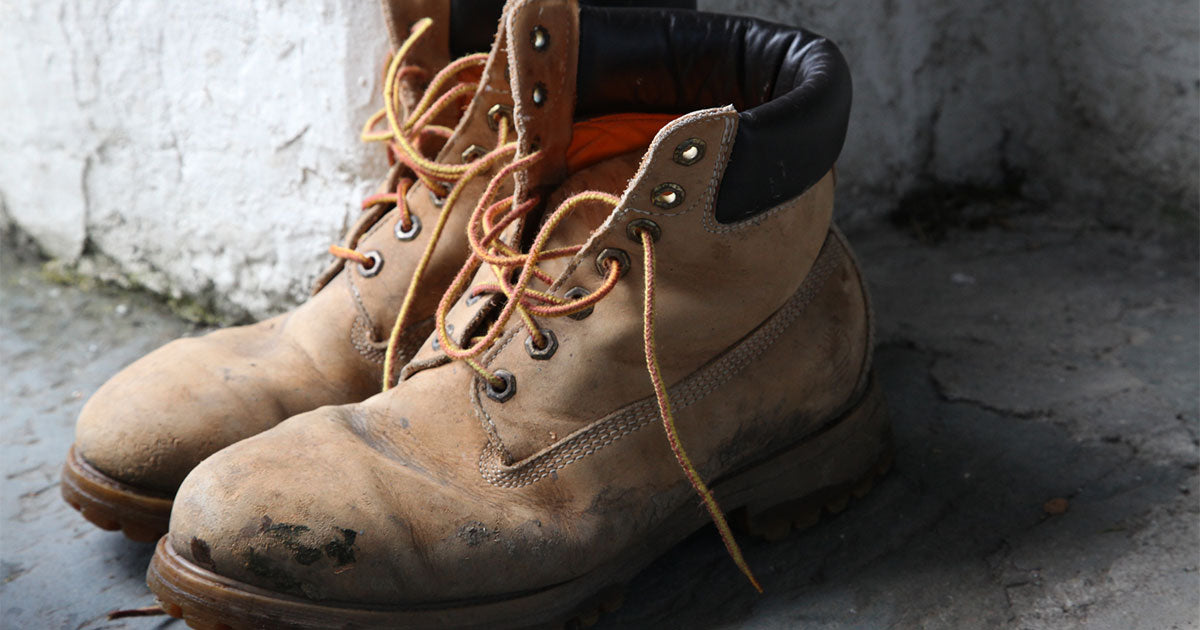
x,y
262,566
293,537
474,533
202,554
342,551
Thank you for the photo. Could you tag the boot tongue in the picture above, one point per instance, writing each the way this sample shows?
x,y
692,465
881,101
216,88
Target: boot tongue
x,y
542,61
431,52
543,66
476,129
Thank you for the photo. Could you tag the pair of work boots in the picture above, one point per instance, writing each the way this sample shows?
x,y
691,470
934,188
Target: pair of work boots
x,y
600,285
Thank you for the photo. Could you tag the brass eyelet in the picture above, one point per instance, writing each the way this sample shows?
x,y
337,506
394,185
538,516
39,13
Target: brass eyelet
x,y
539,38
612,253
495,112
545,352
574,293
376,265
413,230
472,153
689,151
509,389
667,195
635,227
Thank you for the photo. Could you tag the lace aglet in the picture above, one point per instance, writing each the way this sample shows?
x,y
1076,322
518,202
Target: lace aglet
x,y
753,580
735,552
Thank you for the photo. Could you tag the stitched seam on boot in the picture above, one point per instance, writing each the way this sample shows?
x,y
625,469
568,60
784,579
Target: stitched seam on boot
x,y
712,226
360,338
868,361
358,303
375,351
691,390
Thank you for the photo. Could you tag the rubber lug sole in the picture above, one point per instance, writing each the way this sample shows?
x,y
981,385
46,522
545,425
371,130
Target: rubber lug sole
x,y
112,505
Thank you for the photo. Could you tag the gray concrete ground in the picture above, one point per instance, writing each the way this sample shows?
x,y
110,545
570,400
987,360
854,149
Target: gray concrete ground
x,y
1033,365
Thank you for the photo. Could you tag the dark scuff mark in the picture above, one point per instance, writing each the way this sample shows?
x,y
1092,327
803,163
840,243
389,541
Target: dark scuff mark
x,y
294,536
262,566
305,555
342,551
283,529
202,554
289,535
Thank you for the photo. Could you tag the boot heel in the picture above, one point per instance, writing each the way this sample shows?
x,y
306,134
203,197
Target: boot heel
x,y
818,476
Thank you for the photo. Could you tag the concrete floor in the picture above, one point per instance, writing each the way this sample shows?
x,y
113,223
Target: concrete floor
x,y
1025,363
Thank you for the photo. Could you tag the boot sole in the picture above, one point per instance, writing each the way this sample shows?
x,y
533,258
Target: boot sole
x,y
112,505
789,490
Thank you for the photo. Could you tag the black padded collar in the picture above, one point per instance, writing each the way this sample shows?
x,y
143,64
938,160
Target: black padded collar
x,y
791,88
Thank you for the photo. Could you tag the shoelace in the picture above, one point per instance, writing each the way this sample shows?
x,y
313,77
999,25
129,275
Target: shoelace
x,y
404,139
487,223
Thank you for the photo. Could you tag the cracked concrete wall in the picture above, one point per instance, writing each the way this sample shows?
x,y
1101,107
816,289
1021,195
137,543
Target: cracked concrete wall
x,y
210,151
1129,93
1095,99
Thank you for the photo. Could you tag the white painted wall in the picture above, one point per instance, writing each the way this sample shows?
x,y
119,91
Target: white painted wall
x,y
209,150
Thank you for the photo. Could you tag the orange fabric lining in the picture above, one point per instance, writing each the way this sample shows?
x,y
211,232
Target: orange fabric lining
x,y
597,139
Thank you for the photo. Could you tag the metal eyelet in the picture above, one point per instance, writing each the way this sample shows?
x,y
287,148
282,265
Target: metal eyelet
x,y
539,38
539,94
635,227
612,253
495,112
509,389
438,200
413,230
471,299
667,195
689,151
472,153
545,352
574,293
436,344
376,264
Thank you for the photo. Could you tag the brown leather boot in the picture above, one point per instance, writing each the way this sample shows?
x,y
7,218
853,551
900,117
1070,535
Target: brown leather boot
x,y
679,322
147,427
